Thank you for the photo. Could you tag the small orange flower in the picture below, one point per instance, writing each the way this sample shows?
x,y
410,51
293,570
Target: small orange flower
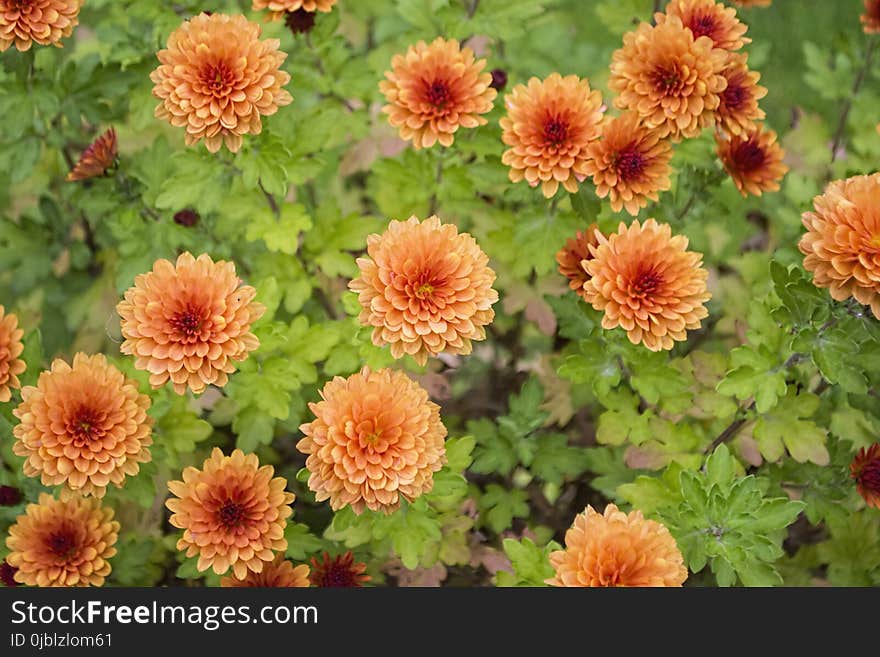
x,y
277,8
339,571
711,19
871,18
188,322
10,350
376,437
84,426
44,22
549,126
753,160
842,242
96,159
232,513
617,549
630,163
433,90
570,258
65,542
646,281
425,288
739,109
279,573
216,79
865,469
672,80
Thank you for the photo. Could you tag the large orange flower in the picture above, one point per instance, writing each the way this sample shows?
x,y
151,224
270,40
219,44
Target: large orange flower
x,y
433,90
376,437
647,282
630,163
277,8
871,18
341,571
44,22
617,549
216,79
232,513
188,322
425,288
84,426
10,350
97,158
670,79
570,258
65,542
842,242
753,160
549,126
711,19
739,109
279,573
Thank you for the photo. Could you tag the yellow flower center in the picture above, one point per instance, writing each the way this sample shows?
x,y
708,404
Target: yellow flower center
x,y
424,290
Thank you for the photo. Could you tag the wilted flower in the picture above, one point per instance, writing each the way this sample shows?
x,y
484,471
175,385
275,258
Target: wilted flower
x,y
189,322
232,513
216,79
549,126
376,437
871,18
338,571
646,281
10,350
753,160
617,549
96,159
44,22
425,288
711,19
570,258
277,8
865,469
433,90
739,109
279,573
65,542
499,79
300,21
187,218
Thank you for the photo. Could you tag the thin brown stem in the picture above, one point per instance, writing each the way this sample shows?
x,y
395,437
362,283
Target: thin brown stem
x,y
847,105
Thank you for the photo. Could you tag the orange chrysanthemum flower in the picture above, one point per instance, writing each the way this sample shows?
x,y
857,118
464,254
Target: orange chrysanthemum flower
x,y
44,22
339,571
279,573
753,160
216,79
425,288
189,322
570,258
617,549
871,18
842,242
96,159
65,542
865,469
549,126
739,109
433,90
10,350
630,163
232,513
711,19
277,8
84,426
376,437
647,282
669,78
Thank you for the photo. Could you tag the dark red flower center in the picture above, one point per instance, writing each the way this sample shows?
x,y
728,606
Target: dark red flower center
x,y
438,94
645,283
188,323
218,79
555,131
231,514
703,25
629,163
668,80
335,572
85,425
869,477
749,156
61,544
734,96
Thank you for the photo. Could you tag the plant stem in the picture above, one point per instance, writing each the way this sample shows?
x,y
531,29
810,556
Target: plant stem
x,y
472,8
847,106
438,178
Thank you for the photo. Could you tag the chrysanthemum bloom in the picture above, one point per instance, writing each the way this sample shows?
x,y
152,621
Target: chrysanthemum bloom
x,y
44,22
65,542
10,496
871,18
669,78
425,288
549,126
232,513
842,242
376,437
646,281
7,574
739,109
753,160
216,79
630,163
433,90
10,350
711,19
279,573
617,549
84,426
97,158
188,322
339,571
277,8
570,258
865,469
